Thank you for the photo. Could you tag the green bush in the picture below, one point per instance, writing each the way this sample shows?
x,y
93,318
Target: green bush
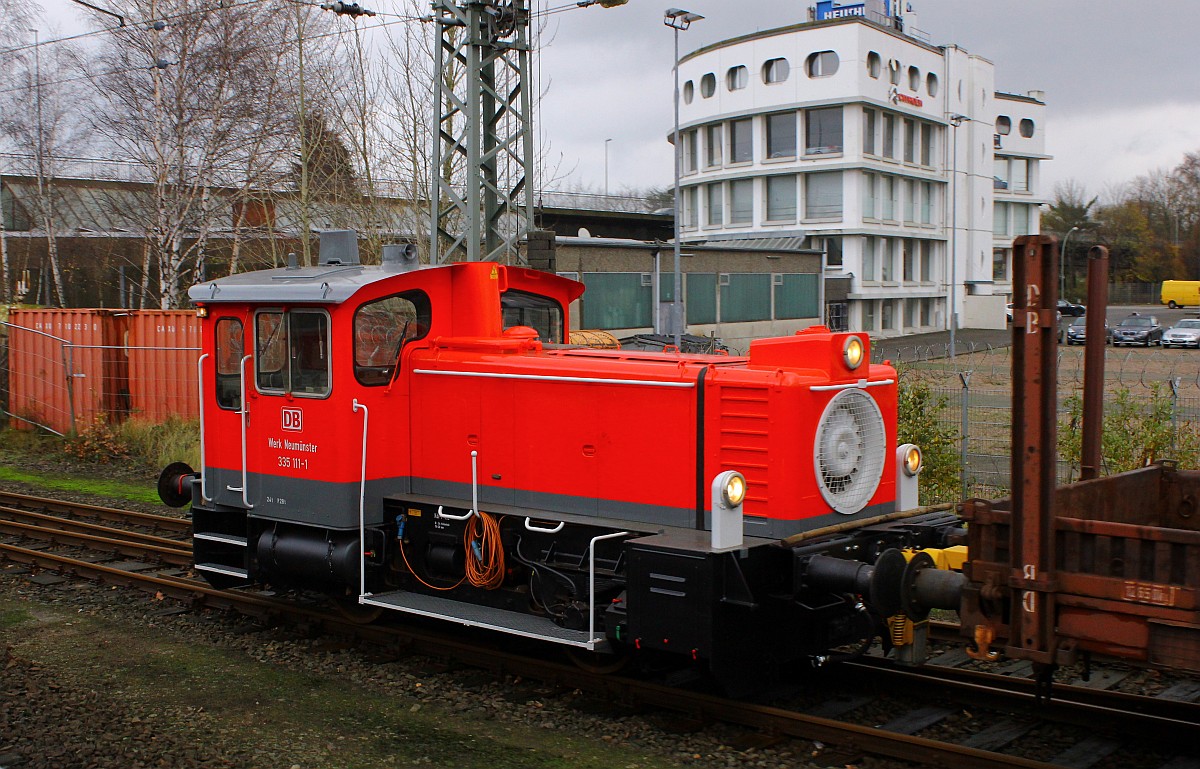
x,y
921,421
1137,431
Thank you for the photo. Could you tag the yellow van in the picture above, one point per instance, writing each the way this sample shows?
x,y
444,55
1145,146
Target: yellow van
x,y
1181,293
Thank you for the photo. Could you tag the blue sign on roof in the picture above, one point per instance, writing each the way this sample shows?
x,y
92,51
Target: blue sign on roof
x,y
827,9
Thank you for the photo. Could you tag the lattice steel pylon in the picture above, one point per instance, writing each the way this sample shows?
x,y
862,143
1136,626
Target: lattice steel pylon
x,y
483,131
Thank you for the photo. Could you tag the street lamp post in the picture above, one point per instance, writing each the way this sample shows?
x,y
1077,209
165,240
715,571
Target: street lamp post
x,y
1062,262
956,121
678,19
606,141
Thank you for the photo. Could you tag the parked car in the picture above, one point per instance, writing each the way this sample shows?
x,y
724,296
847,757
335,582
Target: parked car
x,y
1185,333
1077,331
1070,308
1143,330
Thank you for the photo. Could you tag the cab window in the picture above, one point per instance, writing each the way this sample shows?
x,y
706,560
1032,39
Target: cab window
x,y
381,329
292,352
230,349
521,308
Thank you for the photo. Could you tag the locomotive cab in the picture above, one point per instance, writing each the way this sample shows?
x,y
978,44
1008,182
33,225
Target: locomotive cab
x,y
420,439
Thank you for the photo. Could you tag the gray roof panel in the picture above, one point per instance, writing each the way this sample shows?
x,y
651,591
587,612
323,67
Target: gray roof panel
x,y
324,284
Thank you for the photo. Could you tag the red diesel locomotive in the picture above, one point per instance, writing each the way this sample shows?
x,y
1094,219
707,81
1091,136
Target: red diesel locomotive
x,y
420,439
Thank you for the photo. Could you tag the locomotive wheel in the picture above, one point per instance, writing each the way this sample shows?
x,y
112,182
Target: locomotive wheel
x,y
355,612
598,662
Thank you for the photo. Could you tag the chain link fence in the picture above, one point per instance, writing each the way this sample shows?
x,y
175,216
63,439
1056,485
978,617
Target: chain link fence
x,y
973,390
53,383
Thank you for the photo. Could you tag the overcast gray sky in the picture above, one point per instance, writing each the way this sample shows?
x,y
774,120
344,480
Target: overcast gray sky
x,y
1122,79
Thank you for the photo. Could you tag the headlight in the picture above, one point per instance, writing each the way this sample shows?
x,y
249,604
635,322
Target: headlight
x,y
913,461
854,352
734,491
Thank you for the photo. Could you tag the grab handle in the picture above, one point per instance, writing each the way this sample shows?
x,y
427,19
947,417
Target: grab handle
x,y
540,530
450,517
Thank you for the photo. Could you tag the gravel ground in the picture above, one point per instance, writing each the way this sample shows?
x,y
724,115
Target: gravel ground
x,y
94,676
83,683
79,691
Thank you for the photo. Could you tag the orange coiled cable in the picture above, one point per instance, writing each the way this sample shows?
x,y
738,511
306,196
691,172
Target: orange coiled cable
x,y
485,551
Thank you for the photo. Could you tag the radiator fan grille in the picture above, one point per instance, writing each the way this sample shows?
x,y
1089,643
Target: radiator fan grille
x,y
849,450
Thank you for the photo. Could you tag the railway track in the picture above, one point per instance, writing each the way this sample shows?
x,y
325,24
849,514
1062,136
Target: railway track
x,y
71,524
1010,722
132,519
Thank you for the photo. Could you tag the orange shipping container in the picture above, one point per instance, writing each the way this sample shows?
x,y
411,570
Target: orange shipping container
x,y
162,347
65,367
71,368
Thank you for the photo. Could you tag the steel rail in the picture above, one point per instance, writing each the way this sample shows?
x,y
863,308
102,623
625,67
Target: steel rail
x,y
55,523
1171,719
164,522
171,555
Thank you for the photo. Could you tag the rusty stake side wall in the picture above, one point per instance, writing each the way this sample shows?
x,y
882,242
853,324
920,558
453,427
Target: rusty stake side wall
x,y
1126,561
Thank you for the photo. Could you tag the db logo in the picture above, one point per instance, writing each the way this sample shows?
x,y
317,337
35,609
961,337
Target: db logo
x,y
293,419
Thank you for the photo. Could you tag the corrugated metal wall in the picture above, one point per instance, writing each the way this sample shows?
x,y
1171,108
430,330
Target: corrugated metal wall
x,y
71,368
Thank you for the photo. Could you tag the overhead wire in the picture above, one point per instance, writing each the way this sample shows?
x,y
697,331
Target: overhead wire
x,y
396,19
223,6
321,36
133,25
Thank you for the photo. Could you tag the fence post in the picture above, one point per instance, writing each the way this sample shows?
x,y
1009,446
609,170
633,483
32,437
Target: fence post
x,y
68,353
965,376
1175,382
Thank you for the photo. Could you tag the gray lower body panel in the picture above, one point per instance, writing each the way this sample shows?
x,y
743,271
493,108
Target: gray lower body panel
x,y
335,505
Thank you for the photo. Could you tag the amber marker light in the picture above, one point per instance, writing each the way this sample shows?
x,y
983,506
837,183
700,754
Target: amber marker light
x,y
201,312
734,492
912,460
854,352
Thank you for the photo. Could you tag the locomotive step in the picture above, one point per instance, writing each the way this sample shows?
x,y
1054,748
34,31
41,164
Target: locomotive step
x,y
219,568
228,539
471,615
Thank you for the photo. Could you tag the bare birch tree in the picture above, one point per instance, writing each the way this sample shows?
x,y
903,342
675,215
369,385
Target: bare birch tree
x,y
186,87
15,18
41,112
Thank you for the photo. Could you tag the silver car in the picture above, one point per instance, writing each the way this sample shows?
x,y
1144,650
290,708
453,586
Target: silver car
x,y
1185,333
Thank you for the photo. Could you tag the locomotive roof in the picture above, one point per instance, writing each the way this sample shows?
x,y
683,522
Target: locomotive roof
x,y
325,283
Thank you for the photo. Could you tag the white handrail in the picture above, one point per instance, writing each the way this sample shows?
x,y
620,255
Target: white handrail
x,y
592,582
859,385
362,496
200,383
550,378
242,412
474,493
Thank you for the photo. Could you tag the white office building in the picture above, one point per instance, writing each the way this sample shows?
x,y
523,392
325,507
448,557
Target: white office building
x,y
853,134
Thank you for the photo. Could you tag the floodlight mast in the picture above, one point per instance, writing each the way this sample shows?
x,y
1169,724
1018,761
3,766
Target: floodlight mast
x,y
483,120
678,20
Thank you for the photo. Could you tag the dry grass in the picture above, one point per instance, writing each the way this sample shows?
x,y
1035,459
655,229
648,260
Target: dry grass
x,y
158,445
